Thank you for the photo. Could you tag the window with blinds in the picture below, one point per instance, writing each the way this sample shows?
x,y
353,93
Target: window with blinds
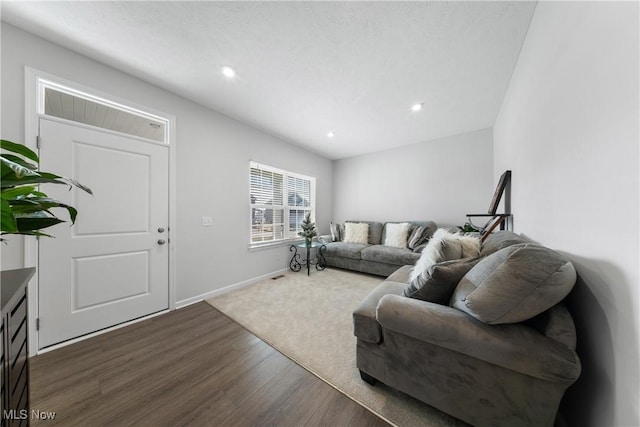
x,y
279,202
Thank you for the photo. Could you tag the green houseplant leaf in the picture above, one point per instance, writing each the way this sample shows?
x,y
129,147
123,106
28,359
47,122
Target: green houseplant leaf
x,y
20,169
9,224
25,209
23,150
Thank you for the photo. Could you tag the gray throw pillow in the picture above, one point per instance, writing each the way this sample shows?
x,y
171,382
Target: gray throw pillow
x,y
440,281
514,284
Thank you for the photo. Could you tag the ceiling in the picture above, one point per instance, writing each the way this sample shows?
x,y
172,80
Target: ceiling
x,y
307,68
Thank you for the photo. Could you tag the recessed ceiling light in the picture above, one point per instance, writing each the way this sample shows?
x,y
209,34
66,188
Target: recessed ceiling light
x,y
228,72
417,107
331,135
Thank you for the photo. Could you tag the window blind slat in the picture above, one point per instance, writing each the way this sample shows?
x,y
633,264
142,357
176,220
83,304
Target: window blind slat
x,y
279,202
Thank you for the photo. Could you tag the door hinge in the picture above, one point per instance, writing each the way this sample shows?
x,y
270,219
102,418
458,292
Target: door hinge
x,y
38,324
38,141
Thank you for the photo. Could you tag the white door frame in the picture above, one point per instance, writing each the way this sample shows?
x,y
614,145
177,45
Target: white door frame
x,y
32,119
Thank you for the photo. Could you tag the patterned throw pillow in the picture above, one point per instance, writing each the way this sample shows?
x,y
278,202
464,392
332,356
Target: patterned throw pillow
x,y
356,232
336,232
417,237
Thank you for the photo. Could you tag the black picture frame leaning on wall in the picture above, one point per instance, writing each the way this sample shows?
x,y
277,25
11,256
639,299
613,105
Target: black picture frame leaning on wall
x,y
497,196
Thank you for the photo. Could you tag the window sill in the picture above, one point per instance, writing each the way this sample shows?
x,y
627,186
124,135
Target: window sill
x,y
271,245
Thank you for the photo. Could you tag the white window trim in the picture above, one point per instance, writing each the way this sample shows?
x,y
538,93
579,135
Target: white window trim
x,y
287,240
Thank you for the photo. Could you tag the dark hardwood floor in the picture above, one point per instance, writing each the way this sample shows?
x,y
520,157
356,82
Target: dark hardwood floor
x,y
193,366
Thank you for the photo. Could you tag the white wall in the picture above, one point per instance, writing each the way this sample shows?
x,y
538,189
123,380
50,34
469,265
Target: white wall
x,y
213,154
439,180
568,129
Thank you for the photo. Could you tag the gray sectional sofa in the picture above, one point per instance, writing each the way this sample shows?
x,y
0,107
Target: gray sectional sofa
x,y
499,352
374,257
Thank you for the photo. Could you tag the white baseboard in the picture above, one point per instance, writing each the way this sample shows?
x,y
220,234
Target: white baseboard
x,y
229,288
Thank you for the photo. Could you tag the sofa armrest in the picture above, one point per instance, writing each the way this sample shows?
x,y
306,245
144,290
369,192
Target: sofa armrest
x,y
512,346
365,325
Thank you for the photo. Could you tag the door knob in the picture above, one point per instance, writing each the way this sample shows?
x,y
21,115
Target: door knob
x,y
160,230
161,241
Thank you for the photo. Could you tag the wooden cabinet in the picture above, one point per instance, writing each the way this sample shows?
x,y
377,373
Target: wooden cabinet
x,y
15,348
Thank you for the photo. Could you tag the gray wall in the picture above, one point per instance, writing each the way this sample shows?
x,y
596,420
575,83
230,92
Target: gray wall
x,y
568,129
213,154
439,180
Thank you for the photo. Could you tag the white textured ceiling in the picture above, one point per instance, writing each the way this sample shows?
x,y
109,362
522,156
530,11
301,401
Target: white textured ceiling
x,y
307,68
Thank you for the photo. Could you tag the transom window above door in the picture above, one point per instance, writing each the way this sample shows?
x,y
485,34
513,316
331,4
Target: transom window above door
x,y
69,104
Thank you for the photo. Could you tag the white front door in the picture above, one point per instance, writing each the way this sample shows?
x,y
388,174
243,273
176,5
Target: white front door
x,y
112,266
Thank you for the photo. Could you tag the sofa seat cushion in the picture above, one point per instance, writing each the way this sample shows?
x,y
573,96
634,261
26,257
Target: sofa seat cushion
x,y
344,250
365,324
401,275
389,255
514,284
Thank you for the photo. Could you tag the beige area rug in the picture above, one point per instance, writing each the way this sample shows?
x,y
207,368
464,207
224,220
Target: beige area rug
x,y
308,319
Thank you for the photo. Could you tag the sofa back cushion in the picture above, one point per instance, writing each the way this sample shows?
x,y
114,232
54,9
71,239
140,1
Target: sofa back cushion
x,y
557,324
499,240
375,231
514,284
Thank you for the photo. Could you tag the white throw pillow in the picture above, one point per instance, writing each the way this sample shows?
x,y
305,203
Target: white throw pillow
x,y
442,246
470,246
356,232
395,235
